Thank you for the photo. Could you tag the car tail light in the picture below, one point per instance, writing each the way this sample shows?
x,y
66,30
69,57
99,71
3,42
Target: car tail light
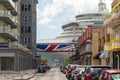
x,y
79,76
76,71
69,71
88,77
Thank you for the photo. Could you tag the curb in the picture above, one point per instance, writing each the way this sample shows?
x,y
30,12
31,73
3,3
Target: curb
x,y
23,78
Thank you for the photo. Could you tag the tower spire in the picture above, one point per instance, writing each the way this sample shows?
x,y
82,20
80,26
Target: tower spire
x,y
102,6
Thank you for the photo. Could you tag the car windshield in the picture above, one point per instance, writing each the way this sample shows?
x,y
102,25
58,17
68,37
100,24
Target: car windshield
x,y
115,76
42,67
98,69
81,69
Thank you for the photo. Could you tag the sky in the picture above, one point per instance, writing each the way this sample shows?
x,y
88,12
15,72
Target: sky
x,y
52,14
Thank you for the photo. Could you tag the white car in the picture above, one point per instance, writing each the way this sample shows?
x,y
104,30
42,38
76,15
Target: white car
x,y
77,73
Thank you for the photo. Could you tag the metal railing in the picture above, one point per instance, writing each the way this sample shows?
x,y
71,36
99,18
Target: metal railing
x,y
8,31
113,44
7,14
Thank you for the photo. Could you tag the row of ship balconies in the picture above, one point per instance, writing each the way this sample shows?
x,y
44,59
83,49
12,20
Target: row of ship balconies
x,y
10,5
6,16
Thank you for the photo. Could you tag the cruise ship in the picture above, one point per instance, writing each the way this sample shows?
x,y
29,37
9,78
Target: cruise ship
x,y
72,30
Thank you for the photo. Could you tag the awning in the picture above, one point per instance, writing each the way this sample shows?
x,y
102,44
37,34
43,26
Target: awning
x,y
105,54
96,56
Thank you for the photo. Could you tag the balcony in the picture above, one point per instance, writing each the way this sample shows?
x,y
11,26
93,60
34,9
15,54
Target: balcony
x,y
112,20
7,17
107,21
115,4
14,12
9,4
108,46
6,32
16,45
113,44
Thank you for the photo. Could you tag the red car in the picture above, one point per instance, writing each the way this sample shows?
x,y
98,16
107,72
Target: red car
x,y
112,74
70,68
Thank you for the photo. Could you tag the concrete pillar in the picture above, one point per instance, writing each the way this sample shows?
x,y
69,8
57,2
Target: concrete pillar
x,y
16,62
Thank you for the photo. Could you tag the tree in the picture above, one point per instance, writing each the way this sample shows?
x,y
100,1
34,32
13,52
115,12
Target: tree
x,y
67,60
44,60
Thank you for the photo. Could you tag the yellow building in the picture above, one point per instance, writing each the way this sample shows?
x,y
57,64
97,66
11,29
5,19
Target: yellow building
x,y
112,25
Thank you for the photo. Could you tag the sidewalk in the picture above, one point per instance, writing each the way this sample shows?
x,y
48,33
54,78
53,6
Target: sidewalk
x,y
21,75
26,77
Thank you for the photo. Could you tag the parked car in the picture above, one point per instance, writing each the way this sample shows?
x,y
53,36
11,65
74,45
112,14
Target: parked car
x,y
93,72
113,74
77,73
63,68
70,68
47,67
42,69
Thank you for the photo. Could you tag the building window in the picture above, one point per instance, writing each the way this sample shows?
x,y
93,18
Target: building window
x,y
22,30
25,40
25,18
29,19
29,39
26,7
29,7
29,29
3,45
25,29
22,7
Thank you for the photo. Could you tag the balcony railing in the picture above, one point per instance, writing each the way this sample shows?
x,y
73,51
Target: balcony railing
x,y
5,30
113,44
111,20
19,46
107,21
15,0
6,14
9,3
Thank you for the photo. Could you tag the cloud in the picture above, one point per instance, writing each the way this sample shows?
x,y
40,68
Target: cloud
x,y
57,7
45,20
52,27
52,14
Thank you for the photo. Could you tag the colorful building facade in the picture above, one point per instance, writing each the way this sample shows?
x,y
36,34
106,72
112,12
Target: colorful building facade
x,y
112,21
88,46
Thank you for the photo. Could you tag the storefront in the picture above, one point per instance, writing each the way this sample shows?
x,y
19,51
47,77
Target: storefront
x,y
15,60
105,58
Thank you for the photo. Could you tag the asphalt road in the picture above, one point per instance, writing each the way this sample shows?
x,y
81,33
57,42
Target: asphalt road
x,y
53,74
